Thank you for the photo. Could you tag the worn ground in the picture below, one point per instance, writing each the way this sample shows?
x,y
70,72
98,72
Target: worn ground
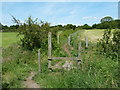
x,y
29,83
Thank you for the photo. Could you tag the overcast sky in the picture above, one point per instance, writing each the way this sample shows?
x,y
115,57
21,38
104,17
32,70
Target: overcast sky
x,y
77,13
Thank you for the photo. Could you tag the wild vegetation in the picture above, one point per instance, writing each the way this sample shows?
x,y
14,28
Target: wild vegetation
x,y
98,69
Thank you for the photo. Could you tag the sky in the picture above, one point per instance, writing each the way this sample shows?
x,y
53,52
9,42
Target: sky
x,y
77,13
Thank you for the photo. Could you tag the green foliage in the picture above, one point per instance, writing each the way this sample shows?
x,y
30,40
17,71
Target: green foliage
x,y
12,28
110,45
34,33
116,41
86,26
70,26
106,19
114,24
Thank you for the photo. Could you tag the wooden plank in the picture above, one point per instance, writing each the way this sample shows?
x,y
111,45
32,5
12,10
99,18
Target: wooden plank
x,y
39,62
49,45
79,55
86,40
49,63
66,58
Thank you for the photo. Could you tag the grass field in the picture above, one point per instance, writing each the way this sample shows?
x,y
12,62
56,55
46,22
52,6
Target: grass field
x,y
8,38
93,35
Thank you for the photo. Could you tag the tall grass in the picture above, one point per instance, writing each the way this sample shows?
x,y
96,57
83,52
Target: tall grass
x,y
17,64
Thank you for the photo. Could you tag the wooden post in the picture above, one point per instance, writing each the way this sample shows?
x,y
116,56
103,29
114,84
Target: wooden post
x,y
86,40
79,55
58,37
69,40
49,50
79,50
39,62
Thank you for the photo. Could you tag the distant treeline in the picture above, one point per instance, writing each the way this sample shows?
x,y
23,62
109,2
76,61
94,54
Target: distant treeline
x,y
12,28
105,23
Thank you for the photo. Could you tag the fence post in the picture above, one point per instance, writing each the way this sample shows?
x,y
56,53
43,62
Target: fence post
x,y
49,50
79,56
86,40
79,50
69,40
39,61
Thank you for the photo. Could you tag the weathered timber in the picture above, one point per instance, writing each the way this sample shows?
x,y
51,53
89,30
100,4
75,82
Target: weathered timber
x,y
50,58
66,58
79,55
49,50
49,45
39,61
69,39
86,40
79,50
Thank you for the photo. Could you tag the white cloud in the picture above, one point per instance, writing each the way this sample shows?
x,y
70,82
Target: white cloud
x,y
91,17
55,23
22,22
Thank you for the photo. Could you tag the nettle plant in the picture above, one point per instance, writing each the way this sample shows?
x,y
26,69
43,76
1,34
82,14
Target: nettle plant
x,y
34,33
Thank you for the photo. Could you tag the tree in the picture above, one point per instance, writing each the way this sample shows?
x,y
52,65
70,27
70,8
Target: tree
x,y
70,26
86,26
106,19
1,26
94,25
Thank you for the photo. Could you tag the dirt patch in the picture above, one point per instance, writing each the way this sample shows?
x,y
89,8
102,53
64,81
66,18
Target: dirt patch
x,y
29,83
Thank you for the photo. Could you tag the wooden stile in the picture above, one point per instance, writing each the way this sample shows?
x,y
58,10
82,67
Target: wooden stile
x,y
50,58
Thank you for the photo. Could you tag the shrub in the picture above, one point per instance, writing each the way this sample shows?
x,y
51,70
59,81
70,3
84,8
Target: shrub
x,y
34,33
110,45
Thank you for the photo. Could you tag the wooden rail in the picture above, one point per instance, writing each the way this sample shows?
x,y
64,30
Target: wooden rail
x,y
66,58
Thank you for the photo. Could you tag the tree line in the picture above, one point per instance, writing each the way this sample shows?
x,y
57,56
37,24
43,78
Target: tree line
x,y
105,23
